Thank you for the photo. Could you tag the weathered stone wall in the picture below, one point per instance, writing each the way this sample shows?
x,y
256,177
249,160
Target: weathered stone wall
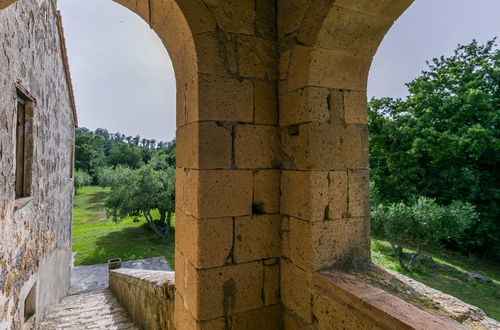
x,y
147,295
35,239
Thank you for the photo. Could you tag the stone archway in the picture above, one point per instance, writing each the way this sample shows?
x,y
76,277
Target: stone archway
x,y
272,179
326,49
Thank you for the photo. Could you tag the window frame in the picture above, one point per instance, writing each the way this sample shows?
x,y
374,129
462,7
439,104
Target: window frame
x,y
25,104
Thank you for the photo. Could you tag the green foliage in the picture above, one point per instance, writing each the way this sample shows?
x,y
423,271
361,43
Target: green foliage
x,y
423,222
124,154
98,239
443,140
100,148
447,272
137,192
81,179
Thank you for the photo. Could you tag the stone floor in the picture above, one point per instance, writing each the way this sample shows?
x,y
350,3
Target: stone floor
x,y
95,277
92,310
90,304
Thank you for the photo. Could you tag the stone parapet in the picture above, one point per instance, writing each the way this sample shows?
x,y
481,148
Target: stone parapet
x,y
147,295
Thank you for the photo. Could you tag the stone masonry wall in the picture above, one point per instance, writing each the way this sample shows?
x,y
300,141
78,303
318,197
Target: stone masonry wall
x,y
147,295
35,239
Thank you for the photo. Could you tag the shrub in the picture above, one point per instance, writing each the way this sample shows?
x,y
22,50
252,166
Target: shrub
x,y
423,222
82,179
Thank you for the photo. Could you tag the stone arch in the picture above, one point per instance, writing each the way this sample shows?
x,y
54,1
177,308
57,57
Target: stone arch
x,y
225,61
326,49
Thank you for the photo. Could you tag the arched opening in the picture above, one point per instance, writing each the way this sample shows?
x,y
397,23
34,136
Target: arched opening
x,y
227,159
422,74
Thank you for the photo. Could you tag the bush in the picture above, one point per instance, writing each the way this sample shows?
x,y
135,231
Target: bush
x,y
423,222
82,179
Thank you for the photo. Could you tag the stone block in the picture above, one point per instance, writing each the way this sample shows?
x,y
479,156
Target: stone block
x,y
264,318
359,193
304,105
293,322
236,16
331,315
215,193
325,146
257,146
266,103
337,207
272,284
225,99
284,64
206,243
180,273
198,17
210,54
290,16
334,243
355,107
304,194
257,237
296,290
224,291
258,58
186,100
204,145
328,68
266,191
265,19
353,32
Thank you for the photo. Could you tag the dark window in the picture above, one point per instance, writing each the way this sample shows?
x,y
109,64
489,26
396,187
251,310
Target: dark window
x,y
24,145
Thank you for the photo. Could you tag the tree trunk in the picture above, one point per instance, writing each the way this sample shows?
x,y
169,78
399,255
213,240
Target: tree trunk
x,y
398,255
413,258
149,219
164,218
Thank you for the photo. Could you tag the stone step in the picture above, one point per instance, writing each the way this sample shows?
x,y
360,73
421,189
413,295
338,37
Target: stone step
x,y
91,310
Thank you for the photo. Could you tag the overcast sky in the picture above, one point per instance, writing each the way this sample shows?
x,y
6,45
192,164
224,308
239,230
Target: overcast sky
x,y
124,81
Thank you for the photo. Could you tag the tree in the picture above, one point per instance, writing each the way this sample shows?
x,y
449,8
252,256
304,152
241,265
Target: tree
x,y
442,141
124,154
423,222
81,179
139,192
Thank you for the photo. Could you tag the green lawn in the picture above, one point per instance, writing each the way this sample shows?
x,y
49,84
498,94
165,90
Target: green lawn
x,y
98,239
448,274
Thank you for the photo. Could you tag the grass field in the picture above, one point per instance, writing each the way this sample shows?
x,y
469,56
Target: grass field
x,y
448,274
98,239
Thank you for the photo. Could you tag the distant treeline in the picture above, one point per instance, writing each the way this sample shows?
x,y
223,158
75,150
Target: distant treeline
x,y
101,148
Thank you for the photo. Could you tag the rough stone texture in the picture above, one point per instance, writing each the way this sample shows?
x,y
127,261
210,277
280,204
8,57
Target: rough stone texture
x,y
35,246
96,277
272,178
426,298
147,295
93,310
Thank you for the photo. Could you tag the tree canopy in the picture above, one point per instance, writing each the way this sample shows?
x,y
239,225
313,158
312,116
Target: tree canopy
x,y
442,141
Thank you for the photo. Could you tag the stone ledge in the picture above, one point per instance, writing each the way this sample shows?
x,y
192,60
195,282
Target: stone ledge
x,y
147,295
373,306
383,299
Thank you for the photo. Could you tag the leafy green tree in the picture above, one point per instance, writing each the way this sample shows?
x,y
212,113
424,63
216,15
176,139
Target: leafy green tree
x,y
124,154
442,141
138,192
81,179
423,222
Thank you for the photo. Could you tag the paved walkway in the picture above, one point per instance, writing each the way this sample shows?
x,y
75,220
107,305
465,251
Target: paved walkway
x,y
90,304
92,310
95,277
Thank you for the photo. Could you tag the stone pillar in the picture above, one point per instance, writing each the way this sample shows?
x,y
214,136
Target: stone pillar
x,y
228,225
326,48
